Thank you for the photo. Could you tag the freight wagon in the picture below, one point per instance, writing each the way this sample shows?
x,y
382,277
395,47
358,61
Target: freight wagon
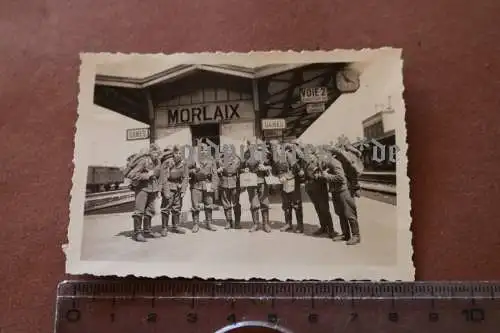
x,y
101,178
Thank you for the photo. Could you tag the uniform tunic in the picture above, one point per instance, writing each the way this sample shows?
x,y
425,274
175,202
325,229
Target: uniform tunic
x,y
174,180
286,165
146,188
258,195
317,190
229,179
202,177
343,202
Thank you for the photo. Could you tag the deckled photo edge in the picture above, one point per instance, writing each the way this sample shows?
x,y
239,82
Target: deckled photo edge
x,y
86,78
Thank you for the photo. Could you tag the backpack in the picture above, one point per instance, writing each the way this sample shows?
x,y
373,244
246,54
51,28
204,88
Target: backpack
x,y
352,165
131,164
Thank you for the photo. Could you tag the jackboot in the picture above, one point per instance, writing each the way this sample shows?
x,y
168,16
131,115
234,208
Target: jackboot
x,y
255,221
138,235
355,239
164,224
148,233
344,235
339,238
265,220
229,219
324,227
208,222
175,224
300,220
345,228
320,232
196,222
288,221
237,216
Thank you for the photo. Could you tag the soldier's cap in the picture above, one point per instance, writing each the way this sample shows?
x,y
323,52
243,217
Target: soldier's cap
x,y
274,142
154,148
167,154
354,150
259,142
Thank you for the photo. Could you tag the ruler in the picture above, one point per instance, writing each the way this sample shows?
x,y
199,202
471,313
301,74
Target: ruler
x,y
210,306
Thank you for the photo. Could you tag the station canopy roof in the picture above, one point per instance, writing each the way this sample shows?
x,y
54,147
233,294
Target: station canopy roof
x,y
147,74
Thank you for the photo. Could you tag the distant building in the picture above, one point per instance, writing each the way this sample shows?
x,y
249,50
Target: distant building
x,y
379,133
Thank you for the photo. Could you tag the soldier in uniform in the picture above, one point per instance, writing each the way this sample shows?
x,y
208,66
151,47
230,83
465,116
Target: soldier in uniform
x,y
343,202
286,165
257,160
317,190
355,167
144,181
174,177
228,170
203,182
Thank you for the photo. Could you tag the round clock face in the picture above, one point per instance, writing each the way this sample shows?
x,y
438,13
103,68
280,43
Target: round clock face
x,y
347,80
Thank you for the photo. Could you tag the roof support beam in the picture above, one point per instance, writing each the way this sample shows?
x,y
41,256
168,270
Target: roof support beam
x,y
151,116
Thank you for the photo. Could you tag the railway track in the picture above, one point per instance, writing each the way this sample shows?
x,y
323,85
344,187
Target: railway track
x,y
97,201
379,182
106,193
379,177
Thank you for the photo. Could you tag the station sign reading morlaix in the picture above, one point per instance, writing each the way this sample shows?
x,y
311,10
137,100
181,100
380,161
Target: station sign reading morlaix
x,y
205,113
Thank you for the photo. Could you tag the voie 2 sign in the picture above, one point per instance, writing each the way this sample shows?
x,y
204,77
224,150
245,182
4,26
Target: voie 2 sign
x,y
314,95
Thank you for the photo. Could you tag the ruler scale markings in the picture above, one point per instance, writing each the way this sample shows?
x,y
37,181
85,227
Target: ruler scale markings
x,y
470,309
73,301
153,294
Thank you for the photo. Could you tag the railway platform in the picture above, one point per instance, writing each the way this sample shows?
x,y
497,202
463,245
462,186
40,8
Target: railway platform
x,y
107,237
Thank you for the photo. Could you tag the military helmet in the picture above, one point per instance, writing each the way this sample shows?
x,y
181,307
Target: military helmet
x,y
354,150
154,148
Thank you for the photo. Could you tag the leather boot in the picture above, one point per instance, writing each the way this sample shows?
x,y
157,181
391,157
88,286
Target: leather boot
x,y
345,231
330,230
176,217
196,221
138,235
164,224
288,221
265,220
355,239
255,221
208,222
339,238
320,232
148,233
229,219
300,220
323,229
237,216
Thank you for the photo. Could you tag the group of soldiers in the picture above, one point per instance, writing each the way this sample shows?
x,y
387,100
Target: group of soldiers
x,y
322,169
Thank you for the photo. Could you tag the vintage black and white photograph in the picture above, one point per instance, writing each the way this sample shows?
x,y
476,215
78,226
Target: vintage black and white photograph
x,y
286,165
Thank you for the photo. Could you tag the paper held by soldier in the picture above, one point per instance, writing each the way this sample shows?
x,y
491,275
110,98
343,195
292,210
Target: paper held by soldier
x,y
286,165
